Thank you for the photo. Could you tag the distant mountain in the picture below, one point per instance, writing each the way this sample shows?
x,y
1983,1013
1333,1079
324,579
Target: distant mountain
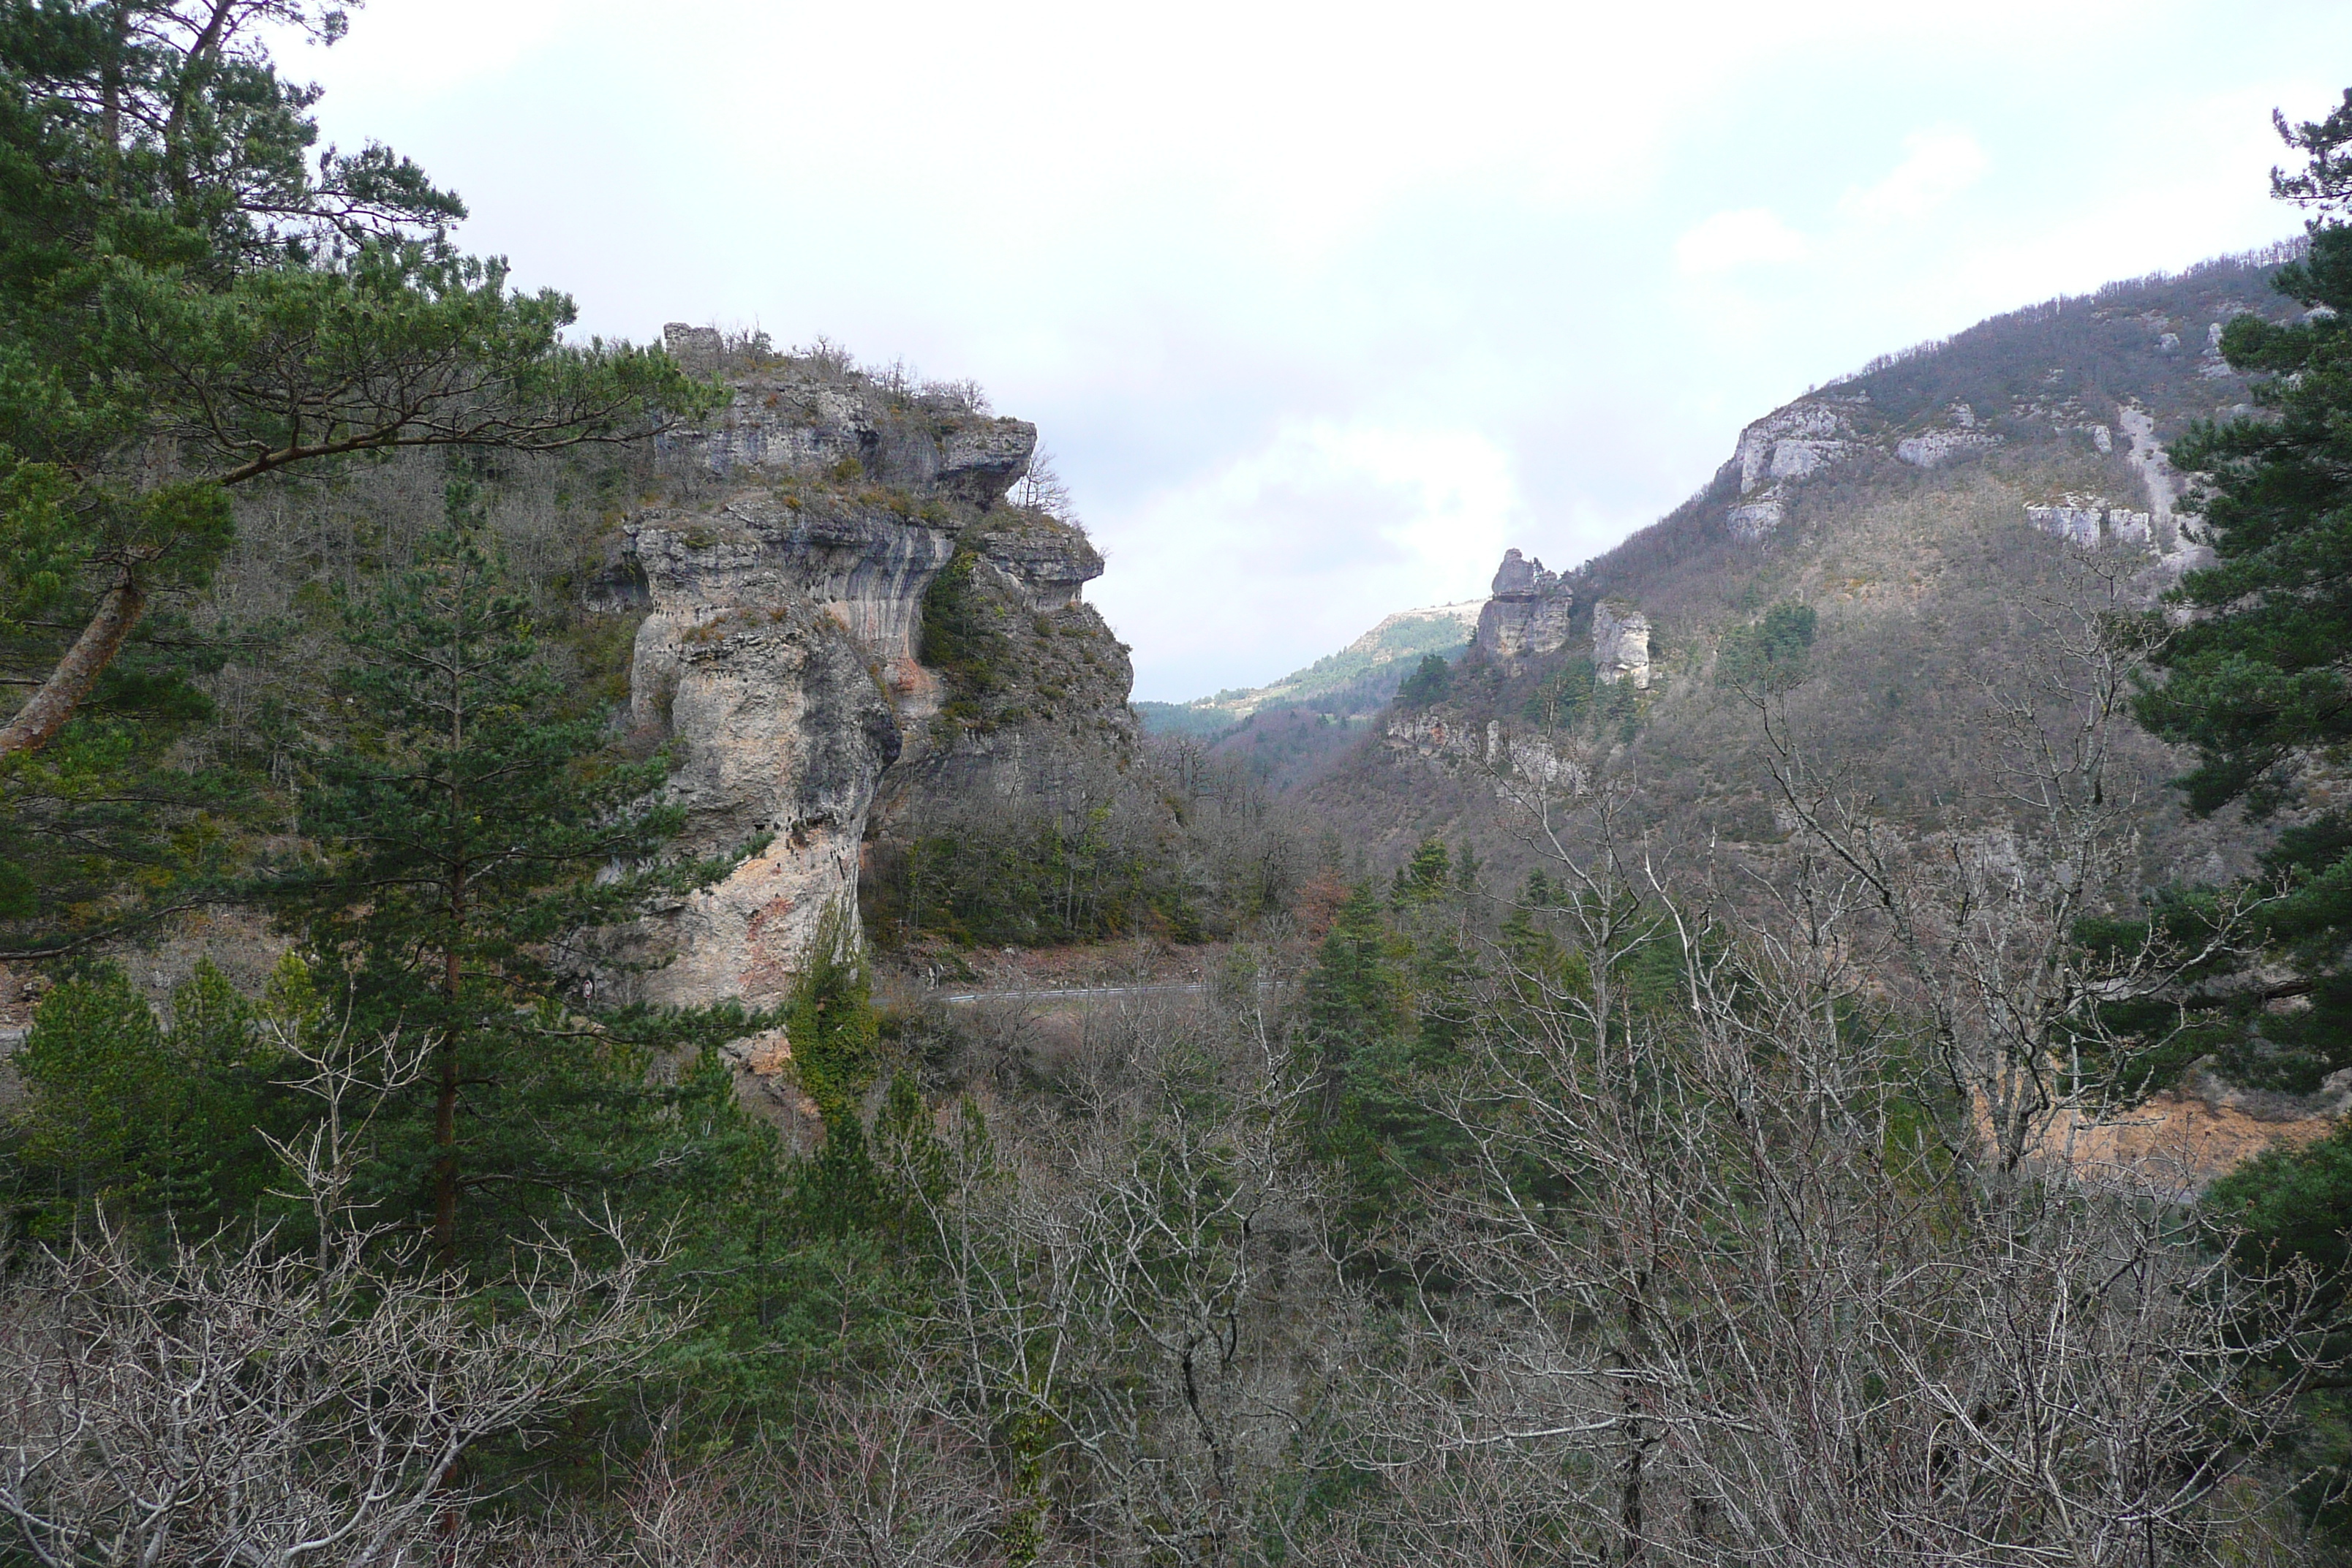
x,y
1935,523
1356,681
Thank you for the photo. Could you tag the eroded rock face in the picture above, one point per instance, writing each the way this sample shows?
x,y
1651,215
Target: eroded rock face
x,y
1620,644
1042,700
2171,538
785,731
1934,449
865,566
1794,441
1529,613
794,419
1787,446
1780,452
780,648
1756,522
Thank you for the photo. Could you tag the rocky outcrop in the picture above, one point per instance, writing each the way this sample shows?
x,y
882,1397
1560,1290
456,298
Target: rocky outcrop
x,y
1034,688
784,730
809,418
1785,446
2085,521
1789,446
1529,613
1934,449
863,564
1792,442
1510,757
2170,535
1948,442
1620,644
1756,522
784,590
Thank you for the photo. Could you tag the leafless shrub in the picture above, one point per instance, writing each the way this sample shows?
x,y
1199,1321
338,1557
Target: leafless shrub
x,y
1137,1298
1740,1267
264,1404
1040,486
871,1473
965,396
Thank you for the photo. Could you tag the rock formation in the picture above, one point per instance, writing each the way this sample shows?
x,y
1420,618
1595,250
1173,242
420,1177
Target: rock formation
x,y
1529,613
1788,445
1934,449
1620,644
1755,522
782,648
1794,443
2169,536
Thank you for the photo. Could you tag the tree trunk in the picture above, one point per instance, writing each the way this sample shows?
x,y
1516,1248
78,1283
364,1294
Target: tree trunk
x,y
37,722
1630,1522
444,1131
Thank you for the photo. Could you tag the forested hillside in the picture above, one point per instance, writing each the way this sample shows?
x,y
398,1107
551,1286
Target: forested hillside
x,y
597,968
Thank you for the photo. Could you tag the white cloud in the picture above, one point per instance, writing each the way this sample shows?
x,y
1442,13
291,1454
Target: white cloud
x,y
1940,165
1310,537
1731,240
1323,304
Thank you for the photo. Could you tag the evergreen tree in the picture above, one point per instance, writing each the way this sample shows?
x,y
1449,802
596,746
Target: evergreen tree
x,y
191,301
2259,680
1428,684
146,1121
468,827
1774,654
1382,1015
1422,878
830,1020
2287,1215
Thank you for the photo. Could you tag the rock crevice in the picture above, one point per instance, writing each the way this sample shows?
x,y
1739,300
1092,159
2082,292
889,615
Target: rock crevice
x,y
782,649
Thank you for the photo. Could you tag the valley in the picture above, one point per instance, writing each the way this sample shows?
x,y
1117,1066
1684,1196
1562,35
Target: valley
x,y
597,966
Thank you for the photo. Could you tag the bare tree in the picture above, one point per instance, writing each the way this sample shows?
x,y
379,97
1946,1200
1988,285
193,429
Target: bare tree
x,y
1978,927
870,1473
1040,486
268,1405
1138,1297
1719,1279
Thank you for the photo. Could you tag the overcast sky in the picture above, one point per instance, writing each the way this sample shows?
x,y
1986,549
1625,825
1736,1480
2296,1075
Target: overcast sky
x,y
1321,306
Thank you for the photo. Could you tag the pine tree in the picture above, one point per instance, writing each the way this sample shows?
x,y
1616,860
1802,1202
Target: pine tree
x,y
192,299
145,1120
2259,680
1383,1016
469,828
1422,878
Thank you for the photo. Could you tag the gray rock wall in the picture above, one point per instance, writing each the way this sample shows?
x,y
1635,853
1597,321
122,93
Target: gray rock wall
x,y
1620,644
781,649
1529,613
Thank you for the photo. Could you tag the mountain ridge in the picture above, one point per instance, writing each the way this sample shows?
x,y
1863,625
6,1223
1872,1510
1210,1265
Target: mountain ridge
x,y
1356,678
1920,509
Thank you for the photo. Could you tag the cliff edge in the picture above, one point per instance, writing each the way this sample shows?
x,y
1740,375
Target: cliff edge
x,y
836,592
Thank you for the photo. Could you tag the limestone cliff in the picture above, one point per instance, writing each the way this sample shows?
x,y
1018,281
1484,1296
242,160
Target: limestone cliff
x,y
784,585
1921,517
1529,613
1620,644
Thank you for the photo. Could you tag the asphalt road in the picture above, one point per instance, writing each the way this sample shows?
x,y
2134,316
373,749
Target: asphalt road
x,y
1079,992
